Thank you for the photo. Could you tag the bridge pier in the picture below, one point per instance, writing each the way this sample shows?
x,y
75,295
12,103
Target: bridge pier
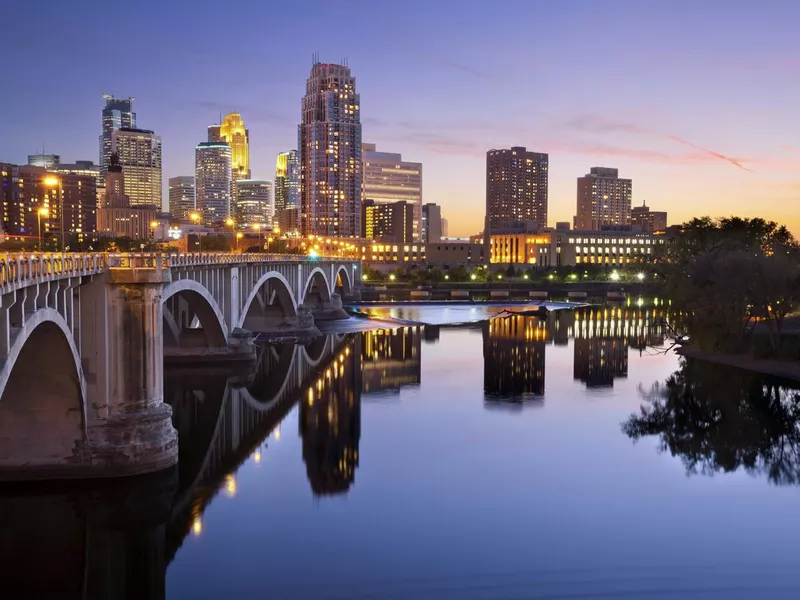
x,y
129,427
279,325
329,310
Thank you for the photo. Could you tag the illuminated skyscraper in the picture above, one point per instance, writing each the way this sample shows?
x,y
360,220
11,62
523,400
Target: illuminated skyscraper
x,y
603,199
287,181
117,113
253,201
181,197
516,188
387,178
139,152
212,180
329,143
233,132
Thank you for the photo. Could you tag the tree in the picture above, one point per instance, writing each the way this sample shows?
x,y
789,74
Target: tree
x,y
511,271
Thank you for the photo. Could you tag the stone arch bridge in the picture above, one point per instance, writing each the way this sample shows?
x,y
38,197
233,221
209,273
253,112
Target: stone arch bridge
x,y
83,338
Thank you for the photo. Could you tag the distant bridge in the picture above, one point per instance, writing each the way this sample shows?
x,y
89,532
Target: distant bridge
x,y
83,339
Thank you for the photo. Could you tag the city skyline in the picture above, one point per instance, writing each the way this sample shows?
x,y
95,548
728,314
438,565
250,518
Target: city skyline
x,y
700,127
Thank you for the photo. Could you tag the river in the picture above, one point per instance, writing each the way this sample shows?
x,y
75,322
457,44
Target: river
x,y
511,457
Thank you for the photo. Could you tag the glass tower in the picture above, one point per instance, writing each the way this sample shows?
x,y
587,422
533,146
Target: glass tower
x,y
212,180
234,133
117,113
287,181
329,143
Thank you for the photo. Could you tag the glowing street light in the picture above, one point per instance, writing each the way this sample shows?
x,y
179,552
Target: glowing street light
x,y
257,227
392,277
614,276
640,276
239,235
195,217
52,181
42,212
473,277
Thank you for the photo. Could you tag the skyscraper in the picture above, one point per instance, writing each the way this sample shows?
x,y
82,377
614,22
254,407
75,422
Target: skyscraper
x,y
233,132
388,179
139,152
117,113
391,222
287,181
431,223
648,220
516,188
181,196
253,201
604,200
329,143
214,134
212,180
116,217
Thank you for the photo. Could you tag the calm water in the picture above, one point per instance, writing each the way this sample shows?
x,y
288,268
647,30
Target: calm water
x,y
499,459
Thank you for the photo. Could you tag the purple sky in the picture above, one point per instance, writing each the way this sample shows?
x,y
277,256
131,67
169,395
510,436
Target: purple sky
x,y
697,102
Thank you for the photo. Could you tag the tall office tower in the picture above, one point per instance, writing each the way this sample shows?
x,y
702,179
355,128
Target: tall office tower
x,y
212,180
116,217
117,113
181,197
431,223
516,188
604,200
43,160
254,201
388,222
139,152
387,178
287,181
214,134
329,143
648,220
234,133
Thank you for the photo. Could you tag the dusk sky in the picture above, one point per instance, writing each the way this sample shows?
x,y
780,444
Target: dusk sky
x,y
697,101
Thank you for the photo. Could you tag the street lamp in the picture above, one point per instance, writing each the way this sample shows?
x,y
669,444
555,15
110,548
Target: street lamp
x,y
257,227
42,212
153,226
52,181
269,242
195,217
239,235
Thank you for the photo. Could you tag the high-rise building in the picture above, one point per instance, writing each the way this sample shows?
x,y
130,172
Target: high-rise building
x,y
287,181
232,131
387,178
431,223
516,188
212,180
445,228
43,160
181,196
392,222
648,220
116,217
139,152
214,133
117,113
604,200
83,167
329,143
254,201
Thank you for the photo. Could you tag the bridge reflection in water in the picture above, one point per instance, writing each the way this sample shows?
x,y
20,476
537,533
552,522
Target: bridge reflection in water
x,y
115,541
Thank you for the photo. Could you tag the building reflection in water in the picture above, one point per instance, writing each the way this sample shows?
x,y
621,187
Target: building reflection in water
x,y
513,357
391,359
330,422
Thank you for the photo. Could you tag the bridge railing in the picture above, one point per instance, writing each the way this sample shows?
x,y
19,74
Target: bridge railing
x,y
22,267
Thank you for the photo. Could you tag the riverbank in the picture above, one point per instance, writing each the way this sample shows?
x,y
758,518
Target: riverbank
x,y
777,368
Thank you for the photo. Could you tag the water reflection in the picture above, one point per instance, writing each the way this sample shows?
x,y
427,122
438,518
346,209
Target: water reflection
x,y
720,419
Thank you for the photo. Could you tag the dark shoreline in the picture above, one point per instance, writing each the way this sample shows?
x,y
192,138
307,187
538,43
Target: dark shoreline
x,y
777,368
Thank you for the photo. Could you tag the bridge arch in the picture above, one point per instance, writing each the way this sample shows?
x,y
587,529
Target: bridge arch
x,y
184,301
316,289
343,284
269,303
42,396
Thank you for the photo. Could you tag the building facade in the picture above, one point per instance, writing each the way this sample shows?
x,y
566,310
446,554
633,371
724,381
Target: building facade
x,y
117,113
329,144
139,152
603,199
287,181
387,178
212,180
431,223
214,134
48,161
453,254
181,197
117,217
516,187
648,220
392,222
233,131
254,202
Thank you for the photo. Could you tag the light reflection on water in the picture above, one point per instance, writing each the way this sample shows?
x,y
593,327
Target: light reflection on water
x,y
483,461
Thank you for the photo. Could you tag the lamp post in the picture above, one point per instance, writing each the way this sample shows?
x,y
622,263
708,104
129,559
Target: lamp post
x,y
153,226
269,241
239,235
42,212
195,217
230,223
257,227
52,181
